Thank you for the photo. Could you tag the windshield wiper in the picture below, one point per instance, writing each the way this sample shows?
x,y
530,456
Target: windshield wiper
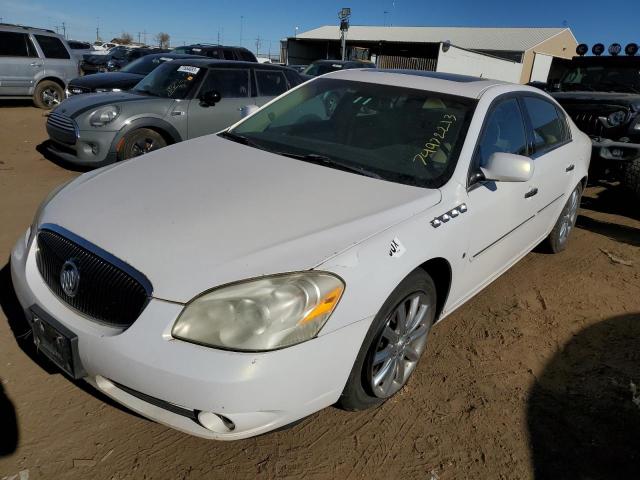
x,y
324,160
235,137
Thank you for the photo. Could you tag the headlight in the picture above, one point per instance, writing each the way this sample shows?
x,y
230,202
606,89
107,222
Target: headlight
x,y
261,314
616,118
104,115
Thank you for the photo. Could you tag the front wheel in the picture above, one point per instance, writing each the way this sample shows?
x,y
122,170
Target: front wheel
x,y
631,177
559,236
394,344
141,141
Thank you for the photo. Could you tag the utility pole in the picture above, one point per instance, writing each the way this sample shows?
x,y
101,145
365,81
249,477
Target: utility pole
x,y
257,45
64,30
97,29
139,33
144,36
241,22
344,14
386,12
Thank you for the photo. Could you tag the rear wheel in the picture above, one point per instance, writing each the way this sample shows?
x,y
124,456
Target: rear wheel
x,y
48,94
139,142
394,344
631,176
559,236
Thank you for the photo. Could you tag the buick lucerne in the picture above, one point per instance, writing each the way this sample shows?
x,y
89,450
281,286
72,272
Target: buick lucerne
x,y
238,282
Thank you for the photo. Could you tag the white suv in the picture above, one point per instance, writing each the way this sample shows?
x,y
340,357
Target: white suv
x,y
35,63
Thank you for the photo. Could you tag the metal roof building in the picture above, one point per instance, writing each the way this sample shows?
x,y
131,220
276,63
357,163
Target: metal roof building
x,y
386,45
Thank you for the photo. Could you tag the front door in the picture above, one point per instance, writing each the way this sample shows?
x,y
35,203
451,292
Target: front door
x,y
19,64
234,87
501,213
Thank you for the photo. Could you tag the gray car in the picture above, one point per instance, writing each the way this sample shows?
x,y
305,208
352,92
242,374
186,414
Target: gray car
x,y
35,63
180,99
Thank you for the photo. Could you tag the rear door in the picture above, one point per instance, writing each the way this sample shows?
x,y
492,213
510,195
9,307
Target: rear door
x,y
20,66
554,170
234,87
270,83
57,59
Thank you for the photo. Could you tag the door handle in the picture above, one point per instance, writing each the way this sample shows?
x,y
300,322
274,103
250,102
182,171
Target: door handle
x,y
569,168
531,192
35,64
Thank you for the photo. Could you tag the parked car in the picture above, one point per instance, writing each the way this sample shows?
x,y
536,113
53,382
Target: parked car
x,y
34,63
124,79
180,99
80,49
602,95
222,52
320,67
298,68
236,283
104,46
118,62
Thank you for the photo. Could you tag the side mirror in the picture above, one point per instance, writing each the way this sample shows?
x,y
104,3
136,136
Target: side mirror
x,y
508,167
248,110
210,98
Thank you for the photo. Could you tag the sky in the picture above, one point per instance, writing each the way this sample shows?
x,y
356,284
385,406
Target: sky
x,y
235,22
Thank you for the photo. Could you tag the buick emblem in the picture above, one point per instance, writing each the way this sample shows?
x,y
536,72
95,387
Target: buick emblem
x,y
70,278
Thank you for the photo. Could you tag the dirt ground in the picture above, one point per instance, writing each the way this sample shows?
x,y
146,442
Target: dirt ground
x,y
537,377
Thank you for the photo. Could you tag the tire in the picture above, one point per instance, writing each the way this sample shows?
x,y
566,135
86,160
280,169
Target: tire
x,y
48,94
557,240
631,177
363,390
139,142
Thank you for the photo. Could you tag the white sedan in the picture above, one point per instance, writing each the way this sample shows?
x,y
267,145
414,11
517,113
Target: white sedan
x,y
238,282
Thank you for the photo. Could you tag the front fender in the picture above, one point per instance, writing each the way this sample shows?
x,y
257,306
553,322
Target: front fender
x,y
145,122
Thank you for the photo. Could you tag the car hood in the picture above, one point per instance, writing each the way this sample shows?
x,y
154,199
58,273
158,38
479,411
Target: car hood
x,y
121,80
78,104
209,211
598,98
96,59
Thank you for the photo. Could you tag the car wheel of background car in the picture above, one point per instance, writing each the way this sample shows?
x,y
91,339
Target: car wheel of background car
x,y
141,141
559,236
48,94
631,176
395,341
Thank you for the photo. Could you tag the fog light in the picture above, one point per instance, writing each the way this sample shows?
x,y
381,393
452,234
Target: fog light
x,y
215,422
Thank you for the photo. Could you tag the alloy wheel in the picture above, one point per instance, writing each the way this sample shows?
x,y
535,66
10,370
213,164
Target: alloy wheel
x,y
50,97
402,342
569,216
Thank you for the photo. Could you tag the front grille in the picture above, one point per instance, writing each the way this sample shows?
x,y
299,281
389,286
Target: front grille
x,y
587,118
108,291
62,128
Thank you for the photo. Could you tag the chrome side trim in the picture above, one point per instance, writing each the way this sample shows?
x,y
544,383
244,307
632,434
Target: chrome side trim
x,y
551,203
502,237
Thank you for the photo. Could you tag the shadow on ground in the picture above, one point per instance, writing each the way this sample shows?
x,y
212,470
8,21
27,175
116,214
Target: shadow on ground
x,y
9,422
615,231
15,103
42,150
612,199
584,410
22,332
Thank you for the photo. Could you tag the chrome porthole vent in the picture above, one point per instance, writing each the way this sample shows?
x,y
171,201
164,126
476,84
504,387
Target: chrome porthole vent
x,y
451,214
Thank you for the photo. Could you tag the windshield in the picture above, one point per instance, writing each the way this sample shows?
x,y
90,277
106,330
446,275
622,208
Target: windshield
x,y
145,65
118,52
169,80
317,69
602,78
397,134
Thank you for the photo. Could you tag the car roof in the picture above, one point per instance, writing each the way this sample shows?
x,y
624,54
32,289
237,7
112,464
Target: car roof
x,y
211,62
450,83
209,45
177,56
341,62
22,28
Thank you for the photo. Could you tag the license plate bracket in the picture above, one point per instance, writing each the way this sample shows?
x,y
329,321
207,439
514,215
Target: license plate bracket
x,y
56,342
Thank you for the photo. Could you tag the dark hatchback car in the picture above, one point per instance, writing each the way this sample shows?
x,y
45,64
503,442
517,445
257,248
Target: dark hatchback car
x,y
320,67
124,79
221,52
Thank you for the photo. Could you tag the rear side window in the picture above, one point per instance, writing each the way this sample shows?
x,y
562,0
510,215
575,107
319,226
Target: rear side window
x,y
271,83
52,47
549,130
16,45
229,82
229,54
503,132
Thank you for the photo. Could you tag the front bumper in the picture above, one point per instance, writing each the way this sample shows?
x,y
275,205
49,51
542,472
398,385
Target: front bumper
x,y
148,371
609,150
92,148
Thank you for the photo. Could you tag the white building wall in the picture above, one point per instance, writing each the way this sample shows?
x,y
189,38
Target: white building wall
x,y
464,62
